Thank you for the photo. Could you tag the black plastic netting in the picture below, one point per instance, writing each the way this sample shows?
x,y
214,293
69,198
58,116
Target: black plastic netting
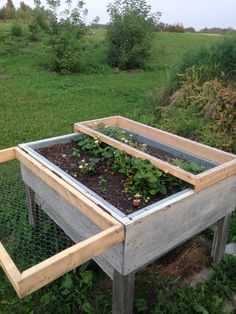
x,y
29,236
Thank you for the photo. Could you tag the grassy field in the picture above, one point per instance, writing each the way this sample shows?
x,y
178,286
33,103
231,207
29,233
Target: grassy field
x,y
35,104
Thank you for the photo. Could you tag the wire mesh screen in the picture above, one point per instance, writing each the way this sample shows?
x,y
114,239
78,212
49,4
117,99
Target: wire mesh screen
x,y
26,232
158,149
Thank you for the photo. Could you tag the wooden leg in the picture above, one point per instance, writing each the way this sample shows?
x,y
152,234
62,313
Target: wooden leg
x,y
220,238
123,293
33,207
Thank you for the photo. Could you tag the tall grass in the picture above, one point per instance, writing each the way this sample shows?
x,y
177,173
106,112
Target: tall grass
x,y
215,61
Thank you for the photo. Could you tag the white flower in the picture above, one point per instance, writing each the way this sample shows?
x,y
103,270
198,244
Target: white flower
x,y
131,135
96,141
81,167
83,160
123,139
86,164
64,155
126,141
95,138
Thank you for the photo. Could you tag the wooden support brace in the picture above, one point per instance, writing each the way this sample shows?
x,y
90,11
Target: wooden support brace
x,y
220,238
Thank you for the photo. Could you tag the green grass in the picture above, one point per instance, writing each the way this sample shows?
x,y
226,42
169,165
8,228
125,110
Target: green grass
x,y
36,104
51,104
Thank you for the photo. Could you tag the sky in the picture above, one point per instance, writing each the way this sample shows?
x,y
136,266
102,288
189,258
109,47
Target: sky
x,y
195,13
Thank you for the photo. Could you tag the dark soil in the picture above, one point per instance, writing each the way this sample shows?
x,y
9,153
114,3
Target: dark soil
x,y
60,155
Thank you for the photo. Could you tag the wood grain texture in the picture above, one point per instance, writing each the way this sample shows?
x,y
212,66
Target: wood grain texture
x,y
62,212
123,293
220,238
7,154
9,268
184,144
216,174
154,233
110,121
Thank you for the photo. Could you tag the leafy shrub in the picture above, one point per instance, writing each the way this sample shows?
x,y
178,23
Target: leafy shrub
x,y
66,40
67,48
40,24
130,33
215,61
16,30
206,110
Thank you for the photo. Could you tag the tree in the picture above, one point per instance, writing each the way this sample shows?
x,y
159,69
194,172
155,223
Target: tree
x,y
66,40
95,22
24,12
8,12
130,33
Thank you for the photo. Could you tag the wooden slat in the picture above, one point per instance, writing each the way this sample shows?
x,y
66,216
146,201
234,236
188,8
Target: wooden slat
x,y
109,121
165,166
73,196
7,154
184,144
216,174
9,268
63,262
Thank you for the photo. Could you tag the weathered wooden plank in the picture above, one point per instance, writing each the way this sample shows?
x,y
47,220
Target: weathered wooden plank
x,y
154,233
110,121
9,268
61,211
45,272
220,238
76,198
177,141
165,166
7,154
123,293
216,174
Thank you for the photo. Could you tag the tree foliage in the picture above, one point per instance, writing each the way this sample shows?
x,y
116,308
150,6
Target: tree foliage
x,y
130,33
8,11
66,40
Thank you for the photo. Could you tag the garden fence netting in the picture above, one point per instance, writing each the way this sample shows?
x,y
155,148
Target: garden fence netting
x,y
28,234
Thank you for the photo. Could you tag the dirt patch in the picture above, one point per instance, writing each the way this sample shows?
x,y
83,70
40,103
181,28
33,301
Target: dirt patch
x,y
112,190
184,262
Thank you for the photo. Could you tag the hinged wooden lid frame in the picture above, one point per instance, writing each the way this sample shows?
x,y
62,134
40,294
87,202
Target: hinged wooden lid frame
x,y
50,269
226,161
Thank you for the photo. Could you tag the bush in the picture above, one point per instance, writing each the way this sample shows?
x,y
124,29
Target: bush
x,y
130,33
216,61
16,30
66,37
40,24
206,111
67,49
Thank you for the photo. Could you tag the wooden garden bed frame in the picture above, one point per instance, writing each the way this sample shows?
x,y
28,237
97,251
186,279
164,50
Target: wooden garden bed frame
x,y
226,162
50,269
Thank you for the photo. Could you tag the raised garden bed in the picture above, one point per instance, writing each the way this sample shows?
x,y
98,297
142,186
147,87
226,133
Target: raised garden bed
x,y
199,191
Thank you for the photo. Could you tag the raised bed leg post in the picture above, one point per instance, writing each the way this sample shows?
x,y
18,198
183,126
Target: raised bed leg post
x,y
123,293
220,238
33,207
